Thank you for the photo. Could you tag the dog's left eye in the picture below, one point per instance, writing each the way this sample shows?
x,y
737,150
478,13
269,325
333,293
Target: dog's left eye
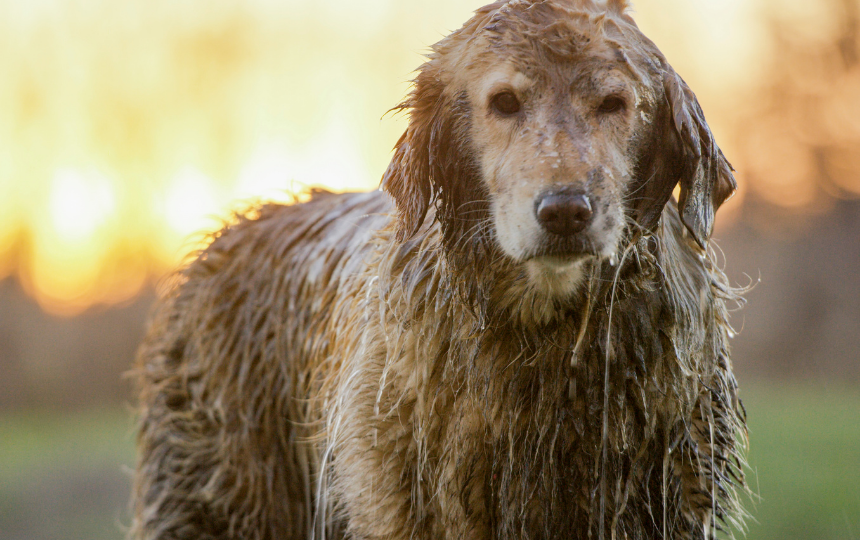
x,y
611,104
505,103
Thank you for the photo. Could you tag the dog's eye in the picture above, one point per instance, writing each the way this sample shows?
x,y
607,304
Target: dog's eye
x,y
611,104
505,103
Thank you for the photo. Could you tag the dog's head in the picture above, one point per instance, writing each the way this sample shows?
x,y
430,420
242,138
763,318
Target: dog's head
x,y
558,129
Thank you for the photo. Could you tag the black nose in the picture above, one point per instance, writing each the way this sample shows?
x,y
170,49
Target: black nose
x,y
562,212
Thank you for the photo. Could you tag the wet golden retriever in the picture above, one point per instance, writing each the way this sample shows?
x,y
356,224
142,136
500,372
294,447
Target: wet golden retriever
x,y
528,342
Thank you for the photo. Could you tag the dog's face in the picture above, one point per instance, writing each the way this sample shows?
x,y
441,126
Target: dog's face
x,y
554,138
560,125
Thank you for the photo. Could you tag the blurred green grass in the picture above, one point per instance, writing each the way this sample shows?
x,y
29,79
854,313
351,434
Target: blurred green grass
x,y
65,476
805,462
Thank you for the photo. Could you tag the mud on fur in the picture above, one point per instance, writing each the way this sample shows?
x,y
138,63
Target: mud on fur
x,y
525,338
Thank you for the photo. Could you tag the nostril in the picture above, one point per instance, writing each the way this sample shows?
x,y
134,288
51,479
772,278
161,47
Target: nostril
x,y
581,208
563,213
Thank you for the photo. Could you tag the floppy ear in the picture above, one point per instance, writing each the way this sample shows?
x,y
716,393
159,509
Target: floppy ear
x,y
708,179
682,150
409,177
431,163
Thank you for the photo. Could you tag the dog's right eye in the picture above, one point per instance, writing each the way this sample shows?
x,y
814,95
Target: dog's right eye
x,y
612,104
505,103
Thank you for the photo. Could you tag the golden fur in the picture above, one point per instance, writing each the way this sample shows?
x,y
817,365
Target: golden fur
x,y
444,367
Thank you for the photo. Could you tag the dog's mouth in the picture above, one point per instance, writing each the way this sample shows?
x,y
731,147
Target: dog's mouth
x,y
558,273
563,252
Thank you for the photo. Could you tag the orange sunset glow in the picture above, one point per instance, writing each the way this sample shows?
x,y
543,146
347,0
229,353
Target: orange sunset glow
x,y
129,129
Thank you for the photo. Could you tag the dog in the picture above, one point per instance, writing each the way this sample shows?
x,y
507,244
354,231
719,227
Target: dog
x,y
524,337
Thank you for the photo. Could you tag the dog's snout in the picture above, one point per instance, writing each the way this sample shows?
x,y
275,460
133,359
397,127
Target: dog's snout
x,y
562,212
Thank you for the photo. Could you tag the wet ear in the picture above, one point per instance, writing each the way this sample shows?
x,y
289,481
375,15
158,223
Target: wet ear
x,y
408,182
681,150
706,176
409,178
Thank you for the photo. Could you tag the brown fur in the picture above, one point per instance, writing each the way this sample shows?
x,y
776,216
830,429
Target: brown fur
x,y
346,368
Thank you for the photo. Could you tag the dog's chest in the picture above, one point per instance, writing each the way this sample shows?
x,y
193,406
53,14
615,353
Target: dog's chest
x,y
516,441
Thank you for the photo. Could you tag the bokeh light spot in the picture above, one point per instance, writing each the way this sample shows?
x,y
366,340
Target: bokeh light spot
x,y
80,202
190,202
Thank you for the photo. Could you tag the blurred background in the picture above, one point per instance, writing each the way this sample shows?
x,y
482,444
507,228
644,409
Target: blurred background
x,y
127,128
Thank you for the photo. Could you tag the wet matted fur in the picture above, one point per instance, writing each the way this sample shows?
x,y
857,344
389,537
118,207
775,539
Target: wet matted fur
x,y
454,364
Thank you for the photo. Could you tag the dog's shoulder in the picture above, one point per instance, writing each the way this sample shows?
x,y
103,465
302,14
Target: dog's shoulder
x,y
273,262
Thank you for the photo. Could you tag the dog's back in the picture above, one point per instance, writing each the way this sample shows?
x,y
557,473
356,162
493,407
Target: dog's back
x,y
227,417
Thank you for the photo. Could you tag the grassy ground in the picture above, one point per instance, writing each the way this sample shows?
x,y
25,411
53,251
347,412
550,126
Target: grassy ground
x,y
65,476
805,460
62,476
